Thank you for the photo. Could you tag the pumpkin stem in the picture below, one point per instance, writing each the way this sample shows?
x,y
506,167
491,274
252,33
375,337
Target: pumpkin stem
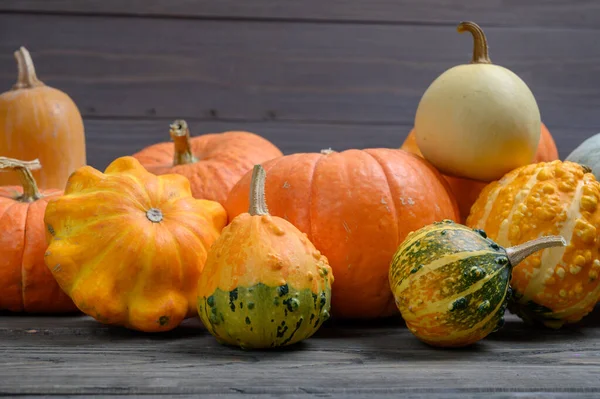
x,y
517,253
480,46
327,151
258,205
23,168
180,133
27,78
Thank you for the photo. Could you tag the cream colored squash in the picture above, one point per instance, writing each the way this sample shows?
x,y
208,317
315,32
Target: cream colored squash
x,y
478,120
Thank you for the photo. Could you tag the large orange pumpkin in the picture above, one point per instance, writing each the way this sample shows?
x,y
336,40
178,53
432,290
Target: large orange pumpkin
x,y
557,285
213,163
466,191
356,207
26,284
128,246
40,122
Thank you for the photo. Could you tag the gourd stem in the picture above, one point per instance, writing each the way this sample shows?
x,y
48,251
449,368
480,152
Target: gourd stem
x,y
258,205
27,78
180,134
517,253
480,46
23,168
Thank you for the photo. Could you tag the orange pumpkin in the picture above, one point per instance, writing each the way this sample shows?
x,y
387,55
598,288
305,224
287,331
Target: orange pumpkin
x,y
128,246
466,191
26,284
557,285
40,122
212,162
356,207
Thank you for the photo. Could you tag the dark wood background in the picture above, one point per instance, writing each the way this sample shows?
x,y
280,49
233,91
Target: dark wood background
x,y
305,74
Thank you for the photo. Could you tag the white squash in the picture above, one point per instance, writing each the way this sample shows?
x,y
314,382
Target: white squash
x,y
478,120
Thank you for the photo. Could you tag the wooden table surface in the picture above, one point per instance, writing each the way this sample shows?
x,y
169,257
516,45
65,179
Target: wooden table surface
x,y
75,355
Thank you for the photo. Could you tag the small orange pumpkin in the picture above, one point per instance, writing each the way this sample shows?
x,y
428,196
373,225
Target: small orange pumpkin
x,y
264,283
557,285
466,191
128,246
213,163
40,122
26,284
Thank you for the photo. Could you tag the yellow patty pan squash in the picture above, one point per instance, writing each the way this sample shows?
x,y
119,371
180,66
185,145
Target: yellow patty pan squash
x,y
128,247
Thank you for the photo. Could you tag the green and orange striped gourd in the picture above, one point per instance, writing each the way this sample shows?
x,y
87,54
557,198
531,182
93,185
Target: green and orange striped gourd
x,y
264,283
451,283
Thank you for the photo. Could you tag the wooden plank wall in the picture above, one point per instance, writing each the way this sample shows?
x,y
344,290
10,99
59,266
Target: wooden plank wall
x,y
306,74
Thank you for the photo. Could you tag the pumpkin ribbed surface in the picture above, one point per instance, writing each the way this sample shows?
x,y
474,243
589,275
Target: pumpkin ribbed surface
x,y
128,246
556,285
356,207
26,284
450,284
213,163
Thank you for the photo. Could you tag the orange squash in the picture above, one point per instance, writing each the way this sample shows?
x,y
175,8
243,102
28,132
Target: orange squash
x,y
212,162
264,283
40,122
466,191
128,246
26,284
558,285
356,207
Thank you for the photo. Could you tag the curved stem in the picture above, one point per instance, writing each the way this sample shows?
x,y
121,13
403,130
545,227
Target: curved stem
x,y
480,46
258,205
517,253
23,168
27,78
180,134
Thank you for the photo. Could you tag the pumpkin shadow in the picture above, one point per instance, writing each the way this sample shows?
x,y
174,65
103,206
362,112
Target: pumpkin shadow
x,y
7,313
86,326
516,330
343,328
390,340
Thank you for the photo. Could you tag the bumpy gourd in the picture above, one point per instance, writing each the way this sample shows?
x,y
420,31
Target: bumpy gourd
x,y
451,283
588,154
264,284
40,122
557,285
478,120
128,246
26,284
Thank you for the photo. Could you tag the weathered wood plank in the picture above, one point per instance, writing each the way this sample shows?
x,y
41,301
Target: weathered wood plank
x,y
108,139
347,395
583,14
287,71
76,355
